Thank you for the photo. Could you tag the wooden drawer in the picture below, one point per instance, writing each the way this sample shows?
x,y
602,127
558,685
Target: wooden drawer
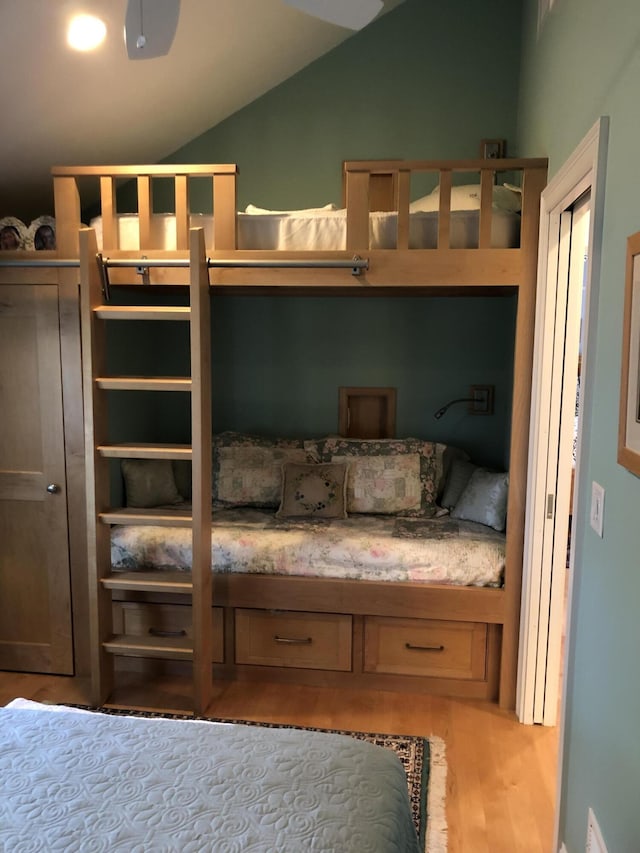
x,y
287,638
173,620
427,647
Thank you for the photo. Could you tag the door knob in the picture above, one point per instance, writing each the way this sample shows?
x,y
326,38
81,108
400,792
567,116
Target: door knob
x,y
53,488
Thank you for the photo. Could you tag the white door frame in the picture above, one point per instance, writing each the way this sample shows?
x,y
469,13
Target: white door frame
x,y
584,170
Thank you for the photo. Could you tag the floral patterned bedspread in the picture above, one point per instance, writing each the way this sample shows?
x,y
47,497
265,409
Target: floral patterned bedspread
x,y
364,547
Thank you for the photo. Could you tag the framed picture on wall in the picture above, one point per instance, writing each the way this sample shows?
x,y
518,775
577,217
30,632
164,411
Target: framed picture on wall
x,y
629,422
492,149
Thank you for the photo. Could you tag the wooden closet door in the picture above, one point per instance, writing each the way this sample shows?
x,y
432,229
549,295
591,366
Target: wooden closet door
x,y
35,601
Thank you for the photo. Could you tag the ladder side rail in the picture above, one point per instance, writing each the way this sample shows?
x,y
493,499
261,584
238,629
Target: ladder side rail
x,y
201,472
97,470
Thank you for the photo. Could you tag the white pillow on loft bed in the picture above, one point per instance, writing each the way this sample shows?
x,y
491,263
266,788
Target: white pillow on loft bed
x,y
467,197
308,211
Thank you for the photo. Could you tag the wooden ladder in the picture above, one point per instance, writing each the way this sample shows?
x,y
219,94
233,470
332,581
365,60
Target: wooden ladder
x,y
196,587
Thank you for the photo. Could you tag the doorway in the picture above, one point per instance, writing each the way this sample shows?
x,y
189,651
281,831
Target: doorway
x,y
571,216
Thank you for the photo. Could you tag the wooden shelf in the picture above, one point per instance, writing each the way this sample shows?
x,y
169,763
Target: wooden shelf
x,y
143,383
142,312
162,517
155,581
145,451
169,648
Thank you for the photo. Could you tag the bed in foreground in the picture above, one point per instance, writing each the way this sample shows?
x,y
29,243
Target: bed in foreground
x,y
80,781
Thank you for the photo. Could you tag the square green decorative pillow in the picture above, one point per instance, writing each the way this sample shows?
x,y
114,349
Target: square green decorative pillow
x,y
484,499
314,490
149,482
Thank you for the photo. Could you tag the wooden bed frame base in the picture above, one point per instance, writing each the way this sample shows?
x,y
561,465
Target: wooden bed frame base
x,y
477,612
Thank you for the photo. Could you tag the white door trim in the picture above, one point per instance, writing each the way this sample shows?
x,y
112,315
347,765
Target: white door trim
x,y
583,170
560,448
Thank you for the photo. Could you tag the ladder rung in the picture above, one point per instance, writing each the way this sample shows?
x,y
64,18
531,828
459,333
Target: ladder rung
x,y
144,383
129,645
161,517
145,451
142,312
158,581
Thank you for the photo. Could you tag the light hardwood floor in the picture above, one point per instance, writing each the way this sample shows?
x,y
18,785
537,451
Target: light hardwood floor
x,y
501,775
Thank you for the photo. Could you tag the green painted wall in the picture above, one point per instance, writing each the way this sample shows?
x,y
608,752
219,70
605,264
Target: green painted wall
x,y
400,88
386,92
431,350
586,63
278,363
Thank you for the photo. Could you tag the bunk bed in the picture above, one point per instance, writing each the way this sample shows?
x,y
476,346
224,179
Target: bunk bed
x,y
406,634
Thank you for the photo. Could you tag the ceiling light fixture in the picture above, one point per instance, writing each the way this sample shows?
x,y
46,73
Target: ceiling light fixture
x,y
353,14
150,27
86,32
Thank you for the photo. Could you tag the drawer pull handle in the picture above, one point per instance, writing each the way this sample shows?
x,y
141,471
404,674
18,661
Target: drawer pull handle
x,y
294,641
158,632
424,648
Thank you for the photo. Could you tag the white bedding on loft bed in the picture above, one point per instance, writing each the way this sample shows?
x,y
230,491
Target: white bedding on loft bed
x,y
324,230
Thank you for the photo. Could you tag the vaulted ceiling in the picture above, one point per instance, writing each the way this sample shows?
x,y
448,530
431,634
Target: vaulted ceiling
x,y
61,107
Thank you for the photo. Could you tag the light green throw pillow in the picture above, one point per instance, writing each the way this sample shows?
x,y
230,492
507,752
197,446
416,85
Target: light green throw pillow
x,y
149,482
484,499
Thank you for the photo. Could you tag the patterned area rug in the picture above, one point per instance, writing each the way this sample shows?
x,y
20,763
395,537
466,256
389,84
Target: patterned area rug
x,y
423,759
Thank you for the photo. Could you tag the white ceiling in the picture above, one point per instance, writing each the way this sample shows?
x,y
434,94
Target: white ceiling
x,y
60,107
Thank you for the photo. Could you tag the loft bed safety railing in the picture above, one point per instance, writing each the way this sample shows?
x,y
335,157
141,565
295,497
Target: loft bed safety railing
x,y
386,185
377,185
144,265
372,190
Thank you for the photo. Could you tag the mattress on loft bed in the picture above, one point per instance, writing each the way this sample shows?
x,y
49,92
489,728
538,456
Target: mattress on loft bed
x,y
360,547
325,230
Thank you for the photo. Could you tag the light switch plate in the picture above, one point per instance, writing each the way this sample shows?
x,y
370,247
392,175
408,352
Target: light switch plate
x,y
596,516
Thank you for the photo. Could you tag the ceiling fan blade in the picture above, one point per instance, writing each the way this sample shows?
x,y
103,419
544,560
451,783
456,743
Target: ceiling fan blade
x,y
150,26
353,14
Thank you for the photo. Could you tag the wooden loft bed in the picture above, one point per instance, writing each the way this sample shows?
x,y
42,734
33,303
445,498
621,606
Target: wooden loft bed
x,y
383,185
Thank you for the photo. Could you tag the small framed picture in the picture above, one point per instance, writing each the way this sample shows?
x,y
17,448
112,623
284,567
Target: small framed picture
x,y
492,149
629,419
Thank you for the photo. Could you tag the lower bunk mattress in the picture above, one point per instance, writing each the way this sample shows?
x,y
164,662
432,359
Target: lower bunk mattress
x,y
360,547
72,780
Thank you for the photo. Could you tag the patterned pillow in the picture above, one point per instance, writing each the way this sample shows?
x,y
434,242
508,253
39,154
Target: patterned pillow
x,y
484,499
459,475
450,455
182,475
149,482
430,454
313,490
247,470
383,484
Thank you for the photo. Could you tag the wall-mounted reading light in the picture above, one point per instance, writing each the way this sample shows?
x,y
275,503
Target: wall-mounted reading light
x,y
480,402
